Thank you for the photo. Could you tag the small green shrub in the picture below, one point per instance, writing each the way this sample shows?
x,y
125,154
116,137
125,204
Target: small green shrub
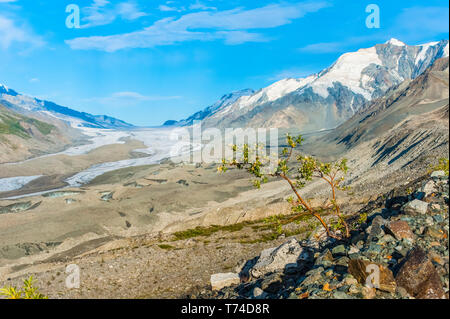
x,y
305,169
28,291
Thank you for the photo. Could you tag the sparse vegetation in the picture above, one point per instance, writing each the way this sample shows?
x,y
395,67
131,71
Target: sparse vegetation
x,y
166,247
14,125
28,291
306,169
443,165
208,231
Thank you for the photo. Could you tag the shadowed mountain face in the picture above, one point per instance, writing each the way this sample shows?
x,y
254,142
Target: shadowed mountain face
x,y
329,98
426,96
29,105
406,129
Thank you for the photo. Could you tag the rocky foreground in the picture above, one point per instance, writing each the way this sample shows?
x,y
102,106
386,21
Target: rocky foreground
x,y
399,250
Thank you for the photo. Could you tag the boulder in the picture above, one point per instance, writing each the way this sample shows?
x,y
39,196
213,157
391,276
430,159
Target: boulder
x,y
375,230
400,229
272,283
434,232
325,259
258,293
339,250
429,188
219,281
415,207
288,257
361,269
438,174
419,277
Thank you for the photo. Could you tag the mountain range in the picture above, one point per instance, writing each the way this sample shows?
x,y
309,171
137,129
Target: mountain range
x,y
407,128
355,95
27,105
326,99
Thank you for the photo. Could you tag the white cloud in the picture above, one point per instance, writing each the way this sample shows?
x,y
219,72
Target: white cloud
x,y
7,1
140,97
101,13
165,8
11,32
200,6
129,98
323,47
230,26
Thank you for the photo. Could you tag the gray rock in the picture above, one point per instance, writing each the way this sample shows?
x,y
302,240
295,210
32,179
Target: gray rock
x,y
288,257
429,188
312,279
375,230
415,207
339,250
438,174
272,283
219,281
341,295
258,293
106,196
325,259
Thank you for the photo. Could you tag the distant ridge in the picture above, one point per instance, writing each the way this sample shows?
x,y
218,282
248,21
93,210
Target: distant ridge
x,y
25,104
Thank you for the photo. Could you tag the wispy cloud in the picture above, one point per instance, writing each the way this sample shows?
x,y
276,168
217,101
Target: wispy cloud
x,y
201,6
230,25
129,98
323,47
166,8
100,12
13,32
411,25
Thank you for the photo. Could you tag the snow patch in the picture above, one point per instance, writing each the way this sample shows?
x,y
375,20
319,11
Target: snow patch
x,y
445,54
348,71
396,42
273,92
422,55
14,183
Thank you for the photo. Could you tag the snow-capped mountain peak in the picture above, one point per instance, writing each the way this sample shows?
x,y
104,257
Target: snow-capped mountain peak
x,y
6,90
349,71
395,42
274,91
328,98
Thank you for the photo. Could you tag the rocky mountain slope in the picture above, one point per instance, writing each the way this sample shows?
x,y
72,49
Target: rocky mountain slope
x,y
224,102
327,99
28,106
406,129
401,238
23,136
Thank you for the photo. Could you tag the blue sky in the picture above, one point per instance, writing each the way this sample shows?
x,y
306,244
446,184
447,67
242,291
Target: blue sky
x,y
147,61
